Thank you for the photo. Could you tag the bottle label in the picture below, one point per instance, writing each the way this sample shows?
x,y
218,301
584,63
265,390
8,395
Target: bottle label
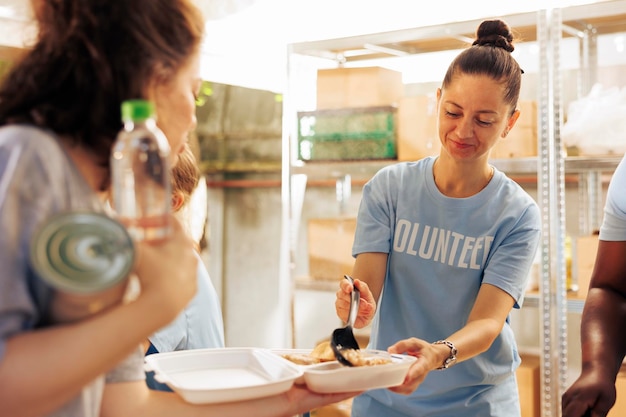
x,y
147,228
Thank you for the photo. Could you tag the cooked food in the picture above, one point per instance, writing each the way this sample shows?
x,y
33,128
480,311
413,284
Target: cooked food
x,y
358,358
301,358
321,353
324,353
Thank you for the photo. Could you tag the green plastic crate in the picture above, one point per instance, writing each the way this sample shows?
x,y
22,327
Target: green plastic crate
x,y
347,134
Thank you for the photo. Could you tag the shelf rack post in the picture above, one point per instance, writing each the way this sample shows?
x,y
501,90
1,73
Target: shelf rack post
x,y
553,301
288,217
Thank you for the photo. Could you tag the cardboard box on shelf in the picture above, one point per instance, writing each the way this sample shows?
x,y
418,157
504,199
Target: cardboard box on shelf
x,y
528,114
358,87
522,140
330,247
619,409
528,383
519,143
586,249
417,128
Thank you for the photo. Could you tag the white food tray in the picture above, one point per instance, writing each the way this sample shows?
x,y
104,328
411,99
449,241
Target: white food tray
x,y
332,377
203,376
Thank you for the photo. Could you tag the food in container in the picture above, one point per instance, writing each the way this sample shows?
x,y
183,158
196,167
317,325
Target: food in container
x,y
331,376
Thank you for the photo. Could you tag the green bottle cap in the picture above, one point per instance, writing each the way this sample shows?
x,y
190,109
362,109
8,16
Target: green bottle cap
x,y
137,110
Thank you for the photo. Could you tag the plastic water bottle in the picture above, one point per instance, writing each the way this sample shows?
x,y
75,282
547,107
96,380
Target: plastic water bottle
x,y
140,171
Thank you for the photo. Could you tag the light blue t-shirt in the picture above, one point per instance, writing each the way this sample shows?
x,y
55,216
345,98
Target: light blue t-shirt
x,y
199,326
614,223
441,250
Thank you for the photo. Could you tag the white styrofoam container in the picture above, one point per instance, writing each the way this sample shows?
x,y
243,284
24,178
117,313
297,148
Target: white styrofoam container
x,y
202,376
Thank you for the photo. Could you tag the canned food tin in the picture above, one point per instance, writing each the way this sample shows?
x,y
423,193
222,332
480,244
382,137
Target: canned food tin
x,y
82,252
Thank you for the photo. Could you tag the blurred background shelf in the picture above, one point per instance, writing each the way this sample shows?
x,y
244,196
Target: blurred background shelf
x,y
527,167
531,299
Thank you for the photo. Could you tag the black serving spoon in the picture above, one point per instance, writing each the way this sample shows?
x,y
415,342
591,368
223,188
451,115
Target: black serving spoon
x,y
343,338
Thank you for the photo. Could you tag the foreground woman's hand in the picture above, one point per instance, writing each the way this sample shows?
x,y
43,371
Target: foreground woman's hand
x,y
135,396
427,360
167,270
367,304
300,399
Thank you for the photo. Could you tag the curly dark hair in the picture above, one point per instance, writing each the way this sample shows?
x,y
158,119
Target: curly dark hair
x,y
89,56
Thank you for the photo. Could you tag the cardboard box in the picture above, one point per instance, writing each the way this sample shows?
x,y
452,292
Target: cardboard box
x,y
522,139
330,247
358,87
528,114
529,385
586,250
417,128
519,143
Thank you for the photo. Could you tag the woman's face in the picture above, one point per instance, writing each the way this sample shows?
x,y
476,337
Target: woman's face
x,y
472,116
175,102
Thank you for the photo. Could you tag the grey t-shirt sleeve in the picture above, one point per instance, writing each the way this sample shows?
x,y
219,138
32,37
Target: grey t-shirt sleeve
x,y
26,198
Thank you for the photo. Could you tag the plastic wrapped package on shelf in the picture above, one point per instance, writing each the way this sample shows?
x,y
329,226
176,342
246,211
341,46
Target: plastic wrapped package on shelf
x,y
347,134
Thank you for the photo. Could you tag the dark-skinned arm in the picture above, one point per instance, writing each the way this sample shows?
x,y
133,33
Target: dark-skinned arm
x,y
602,335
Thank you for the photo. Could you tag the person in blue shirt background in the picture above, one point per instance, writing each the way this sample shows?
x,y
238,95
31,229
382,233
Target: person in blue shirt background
x,y
200,324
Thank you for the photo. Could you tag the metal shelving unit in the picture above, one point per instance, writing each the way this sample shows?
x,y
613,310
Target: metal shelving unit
x,y
512,166
548,28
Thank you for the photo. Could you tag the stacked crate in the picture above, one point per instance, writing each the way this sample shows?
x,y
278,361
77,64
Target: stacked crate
x,y
355,117
347,134
417,127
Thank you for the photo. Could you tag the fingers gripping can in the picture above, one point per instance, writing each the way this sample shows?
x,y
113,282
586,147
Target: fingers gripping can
x,y
82,252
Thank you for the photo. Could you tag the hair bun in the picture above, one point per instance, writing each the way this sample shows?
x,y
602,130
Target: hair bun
x,y
494,33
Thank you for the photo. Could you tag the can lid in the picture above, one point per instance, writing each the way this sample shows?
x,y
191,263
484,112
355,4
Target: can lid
x,y
137,109
82,252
